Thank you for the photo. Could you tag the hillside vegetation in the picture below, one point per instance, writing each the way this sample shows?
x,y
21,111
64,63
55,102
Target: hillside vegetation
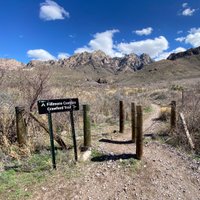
x,y
26,170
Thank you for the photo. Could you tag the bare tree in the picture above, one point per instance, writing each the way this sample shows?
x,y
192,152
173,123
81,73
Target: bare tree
x,y
33,85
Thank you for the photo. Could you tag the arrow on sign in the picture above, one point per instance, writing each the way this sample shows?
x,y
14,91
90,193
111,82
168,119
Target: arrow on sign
x,y
43,105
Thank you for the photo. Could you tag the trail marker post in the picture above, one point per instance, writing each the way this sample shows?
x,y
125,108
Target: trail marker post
x,y
51,140
139,139
86,127
173,115
73,134
21,126
121,117
59,105
133,122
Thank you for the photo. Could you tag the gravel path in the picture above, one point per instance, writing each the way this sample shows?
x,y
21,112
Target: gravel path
x,y
164,173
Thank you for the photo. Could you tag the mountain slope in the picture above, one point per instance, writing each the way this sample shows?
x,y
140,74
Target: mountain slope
x,y
189,52
10,64
165,70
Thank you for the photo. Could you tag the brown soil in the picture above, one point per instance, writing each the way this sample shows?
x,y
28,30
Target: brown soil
x,y
164,173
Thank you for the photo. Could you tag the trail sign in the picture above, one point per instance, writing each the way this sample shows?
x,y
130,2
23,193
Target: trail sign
x,y
57,105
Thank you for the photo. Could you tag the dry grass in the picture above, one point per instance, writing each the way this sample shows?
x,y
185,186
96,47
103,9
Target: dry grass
x,y
21,88
191,110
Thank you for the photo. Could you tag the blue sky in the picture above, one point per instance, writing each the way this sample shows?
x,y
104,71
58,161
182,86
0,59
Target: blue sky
x,y
45,29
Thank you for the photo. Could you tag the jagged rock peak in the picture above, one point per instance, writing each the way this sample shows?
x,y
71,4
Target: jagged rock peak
x,y
134,62
146,58
99,53
34,63
189,52
94,55
131,55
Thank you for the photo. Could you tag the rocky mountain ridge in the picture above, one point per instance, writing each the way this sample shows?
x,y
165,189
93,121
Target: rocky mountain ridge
x,y
98,59
189,52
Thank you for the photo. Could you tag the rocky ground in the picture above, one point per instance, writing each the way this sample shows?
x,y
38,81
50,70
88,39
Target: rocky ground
x,y
163,173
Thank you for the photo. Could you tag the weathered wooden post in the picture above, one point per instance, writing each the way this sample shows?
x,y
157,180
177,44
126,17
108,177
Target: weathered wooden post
x,y
133,122
121,117
53,156
86,127
173,114
21,126
73,133
192,146
139,138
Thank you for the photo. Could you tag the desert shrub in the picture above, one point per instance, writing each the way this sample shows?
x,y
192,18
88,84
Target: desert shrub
x,y
176,87
158,96
103,107
7,120
165,113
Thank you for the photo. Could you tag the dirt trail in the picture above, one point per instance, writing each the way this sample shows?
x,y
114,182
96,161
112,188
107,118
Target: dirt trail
x,y
164,173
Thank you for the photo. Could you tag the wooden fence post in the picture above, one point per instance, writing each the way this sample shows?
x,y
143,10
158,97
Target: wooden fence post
x,y
133,122
173,114
21,126
192,146
121,117
86,127
139,138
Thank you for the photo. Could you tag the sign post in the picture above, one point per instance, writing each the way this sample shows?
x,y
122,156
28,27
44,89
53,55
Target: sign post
x,y
73,134
59,105
51,141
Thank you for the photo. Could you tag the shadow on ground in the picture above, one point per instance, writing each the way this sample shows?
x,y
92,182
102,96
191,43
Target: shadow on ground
x,y
115,141
149,135
103,158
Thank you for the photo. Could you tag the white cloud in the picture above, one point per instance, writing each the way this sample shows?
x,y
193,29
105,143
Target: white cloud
x,y
180,39
153,47
40,54
193,38
50,10
164,55
102,41
188,12
184,5
179,49
194,30
144,31
43,55
63,55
